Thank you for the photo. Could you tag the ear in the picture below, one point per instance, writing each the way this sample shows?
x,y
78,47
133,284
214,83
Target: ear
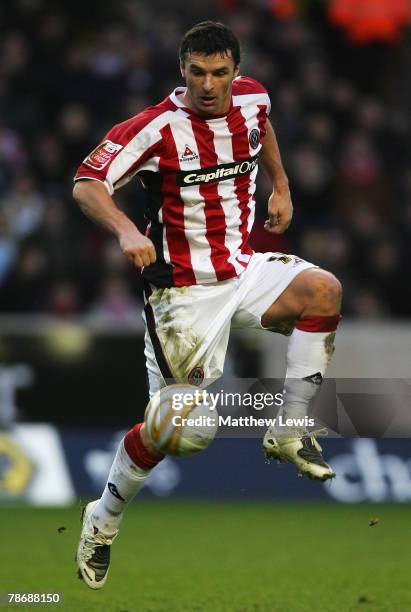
x,y
236,71
183,71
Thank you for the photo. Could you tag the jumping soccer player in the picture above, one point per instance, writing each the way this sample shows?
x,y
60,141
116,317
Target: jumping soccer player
x,y
197,155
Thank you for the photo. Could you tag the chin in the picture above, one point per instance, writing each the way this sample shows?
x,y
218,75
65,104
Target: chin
x,y
210,110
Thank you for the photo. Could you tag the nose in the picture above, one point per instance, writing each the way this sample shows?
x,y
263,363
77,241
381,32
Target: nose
x,y
208,83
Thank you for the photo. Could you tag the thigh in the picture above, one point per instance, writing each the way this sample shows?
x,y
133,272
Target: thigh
x,y
187,333
157,375
268,275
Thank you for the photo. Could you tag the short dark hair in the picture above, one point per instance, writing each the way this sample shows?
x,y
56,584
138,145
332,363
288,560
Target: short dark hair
x,y
210,37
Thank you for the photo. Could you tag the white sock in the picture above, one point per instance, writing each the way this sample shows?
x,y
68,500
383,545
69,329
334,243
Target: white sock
x,y
308,356
124,482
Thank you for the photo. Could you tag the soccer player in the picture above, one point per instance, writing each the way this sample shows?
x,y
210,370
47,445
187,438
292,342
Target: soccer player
x,y
197,154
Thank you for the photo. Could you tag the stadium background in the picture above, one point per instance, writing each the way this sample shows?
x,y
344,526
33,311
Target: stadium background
x,y
71,350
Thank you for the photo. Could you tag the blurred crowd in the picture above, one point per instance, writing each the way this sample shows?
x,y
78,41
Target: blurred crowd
x,y
68,73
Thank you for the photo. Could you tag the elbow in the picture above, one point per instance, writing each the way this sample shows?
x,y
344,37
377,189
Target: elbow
x,y
77,192
83,190
88,188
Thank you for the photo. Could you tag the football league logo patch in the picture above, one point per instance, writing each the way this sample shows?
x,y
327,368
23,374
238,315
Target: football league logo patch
x,y
254,138
102,155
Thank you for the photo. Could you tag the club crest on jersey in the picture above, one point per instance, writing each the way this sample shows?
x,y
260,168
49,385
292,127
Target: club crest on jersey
x,y
102,154
254,138
216,173
188,154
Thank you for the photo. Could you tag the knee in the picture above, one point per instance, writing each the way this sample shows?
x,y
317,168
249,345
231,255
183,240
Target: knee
x,y
324,288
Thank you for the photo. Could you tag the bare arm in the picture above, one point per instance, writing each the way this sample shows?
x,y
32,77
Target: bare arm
x,y
280,208
97,204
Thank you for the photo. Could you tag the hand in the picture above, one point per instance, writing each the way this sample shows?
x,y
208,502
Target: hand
x,y
280,212
138,248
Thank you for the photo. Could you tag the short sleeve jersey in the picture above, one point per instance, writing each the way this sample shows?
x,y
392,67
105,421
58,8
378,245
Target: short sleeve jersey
x,y
200,178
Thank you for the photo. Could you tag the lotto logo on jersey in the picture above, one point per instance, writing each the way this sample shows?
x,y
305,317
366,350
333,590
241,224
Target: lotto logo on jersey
x,y
216,173
102,154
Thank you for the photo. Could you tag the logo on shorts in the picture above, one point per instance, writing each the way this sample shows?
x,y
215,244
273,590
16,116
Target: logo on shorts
x,y
297,260
254,138
196,376
316,379
285,259
102,154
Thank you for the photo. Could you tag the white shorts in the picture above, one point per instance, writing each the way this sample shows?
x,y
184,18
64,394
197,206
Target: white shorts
x,y
187,328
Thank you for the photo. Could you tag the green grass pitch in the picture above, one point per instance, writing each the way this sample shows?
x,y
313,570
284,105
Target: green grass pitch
x,y
219,557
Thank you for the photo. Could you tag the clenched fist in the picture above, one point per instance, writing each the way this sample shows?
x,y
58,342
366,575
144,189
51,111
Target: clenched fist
x,y
280,212
138,248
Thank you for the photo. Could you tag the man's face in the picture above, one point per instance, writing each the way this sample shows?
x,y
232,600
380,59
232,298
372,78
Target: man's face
x,y
209,79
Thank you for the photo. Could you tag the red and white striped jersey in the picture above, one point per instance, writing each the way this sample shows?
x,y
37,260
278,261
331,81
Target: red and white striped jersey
x,y
200,177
